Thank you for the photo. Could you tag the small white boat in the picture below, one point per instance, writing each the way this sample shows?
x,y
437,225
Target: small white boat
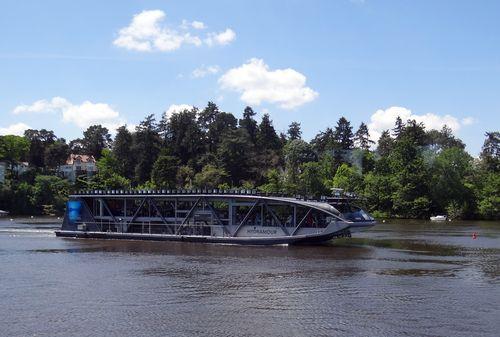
x,y
438,218
3,213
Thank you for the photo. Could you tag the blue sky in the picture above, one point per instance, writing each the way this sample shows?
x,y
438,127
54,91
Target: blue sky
x,y
67,64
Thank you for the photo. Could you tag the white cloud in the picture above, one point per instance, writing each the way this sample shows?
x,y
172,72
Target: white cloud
x,y
186,24
204,71
42,106
14,129
221,38
257,84
82,115
147,32
384,120
468,121
175,108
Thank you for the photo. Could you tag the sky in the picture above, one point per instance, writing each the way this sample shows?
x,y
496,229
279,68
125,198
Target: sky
x,y
65,65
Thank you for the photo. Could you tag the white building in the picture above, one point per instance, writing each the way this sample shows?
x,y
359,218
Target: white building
x,y
18,169
77,165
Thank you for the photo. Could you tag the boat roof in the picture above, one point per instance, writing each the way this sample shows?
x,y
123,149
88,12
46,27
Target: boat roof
x,y
317,204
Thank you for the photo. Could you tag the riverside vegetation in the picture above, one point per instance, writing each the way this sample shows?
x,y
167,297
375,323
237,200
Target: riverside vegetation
x,y
410,172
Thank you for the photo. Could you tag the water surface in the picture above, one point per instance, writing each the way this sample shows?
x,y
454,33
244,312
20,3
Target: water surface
x,y
404,278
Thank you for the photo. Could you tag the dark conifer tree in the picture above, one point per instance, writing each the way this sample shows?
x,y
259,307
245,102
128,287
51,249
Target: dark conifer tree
x,y
398,127
323,141
385,144
344,138
266,135
147,144
362,137
249,123
123,152
294,131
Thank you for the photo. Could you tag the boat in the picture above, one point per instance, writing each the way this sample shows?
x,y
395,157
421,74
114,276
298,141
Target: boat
x,y
346,203
3,213
439,218
210,216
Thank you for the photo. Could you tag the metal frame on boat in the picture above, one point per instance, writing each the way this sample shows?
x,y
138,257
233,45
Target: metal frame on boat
x,y
216,216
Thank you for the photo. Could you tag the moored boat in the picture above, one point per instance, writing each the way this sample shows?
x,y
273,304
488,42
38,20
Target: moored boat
x,y
439,218
215,216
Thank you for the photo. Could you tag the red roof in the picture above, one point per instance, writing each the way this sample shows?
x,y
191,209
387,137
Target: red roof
x,y
81,157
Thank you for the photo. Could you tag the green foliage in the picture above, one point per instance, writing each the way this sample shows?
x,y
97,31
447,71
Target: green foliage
x,y
13,148
274,182
210,177
107,176
164,171
50,190
311,182
413,173
348,178
123,152
489,197
95,139
147,143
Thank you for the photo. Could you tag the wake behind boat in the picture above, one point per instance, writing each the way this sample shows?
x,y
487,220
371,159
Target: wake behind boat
x,y
214,216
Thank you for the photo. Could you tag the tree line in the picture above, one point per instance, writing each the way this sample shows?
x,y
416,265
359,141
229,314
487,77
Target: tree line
x,y
409,172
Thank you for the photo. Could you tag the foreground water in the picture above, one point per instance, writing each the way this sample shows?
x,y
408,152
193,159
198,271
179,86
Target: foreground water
x,y
406,278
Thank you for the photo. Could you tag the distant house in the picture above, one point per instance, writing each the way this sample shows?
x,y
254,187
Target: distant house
x,y
17,169
77,165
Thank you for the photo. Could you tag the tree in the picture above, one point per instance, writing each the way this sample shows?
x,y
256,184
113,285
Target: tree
x,y
52,191
222,124
348,178
210,177
385,144
324,141
184,136
411,178
296,152
13,149
443,139
208,115
107,176
95,139
146,148
249,123
39,141
398,127
266,135
344,138
294,131
311,182
56,153
489,196
490,152
184,177
164,171
76,146
235,155
123,152
274,182
449,186
362,137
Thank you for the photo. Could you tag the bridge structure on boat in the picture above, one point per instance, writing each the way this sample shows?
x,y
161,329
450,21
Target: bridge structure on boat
x,y
219,216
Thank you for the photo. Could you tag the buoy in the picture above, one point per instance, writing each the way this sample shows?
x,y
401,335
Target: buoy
x,y
11,219
32,216
474,236
383,221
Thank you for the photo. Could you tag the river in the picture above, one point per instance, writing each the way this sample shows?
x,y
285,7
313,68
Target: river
x,y
404,278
